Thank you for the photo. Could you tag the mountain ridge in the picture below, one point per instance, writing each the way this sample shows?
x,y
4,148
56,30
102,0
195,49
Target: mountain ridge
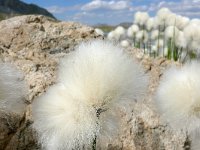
x,y
10,8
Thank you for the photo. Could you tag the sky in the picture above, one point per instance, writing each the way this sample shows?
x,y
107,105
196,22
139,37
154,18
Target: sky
x,y
113,12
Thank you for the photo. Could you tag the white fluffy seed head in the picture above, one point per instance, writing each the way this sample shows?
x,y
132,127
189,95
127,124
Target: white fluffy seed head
x,y
154,34
192,33
125,43
98,60
181,41
142,36
194,46
154,48
62,122
141,18
12,89
162,15
111,35
135,28
181,22
99,31
177,97
156,23
195,21
96,76
132,30
150,24
171,32
171,20
120,32
159,43
165,51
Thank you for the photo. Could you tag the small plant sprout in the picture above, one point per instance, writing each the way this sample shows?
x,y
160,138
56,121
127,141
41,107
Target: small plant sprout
x,y
94,82
12,89
177,97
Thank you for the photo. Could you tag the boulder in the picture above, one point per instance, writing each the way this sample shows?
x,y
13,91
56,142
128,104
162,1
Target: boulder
x,y
34,45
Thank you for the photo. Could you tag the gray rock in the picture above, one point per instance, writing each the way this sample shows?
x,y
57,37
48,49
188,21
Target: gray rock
x,y
34,44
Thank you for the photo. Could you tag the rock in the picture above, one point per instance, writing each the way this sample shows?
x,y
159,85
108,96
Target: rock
x,y
34,44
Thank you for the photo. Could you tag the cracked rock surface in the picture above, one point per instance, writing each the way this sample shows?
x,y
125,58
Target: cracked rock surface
x,y
34,45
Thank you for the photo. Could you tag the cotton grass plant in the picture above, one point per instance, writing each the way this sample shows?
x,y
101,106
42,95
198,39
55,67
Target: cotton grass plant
x,y
177,100
177,97
165,26
94,83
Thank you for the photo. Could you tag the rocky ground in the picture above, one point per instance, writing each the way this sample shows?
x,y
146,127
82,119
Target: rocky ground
x,y
34,44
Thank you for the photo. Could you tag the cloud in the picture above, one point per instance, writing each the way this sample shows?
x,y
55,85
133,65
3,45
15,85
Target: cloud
x,y
189,8
56,9
102,4
116,11
60,10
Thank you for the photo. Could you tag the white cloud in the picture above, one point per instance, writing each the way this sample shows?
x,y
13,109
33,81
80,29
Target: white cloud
x,y
102,4
189,8
56,9
115,11
60,10
196,1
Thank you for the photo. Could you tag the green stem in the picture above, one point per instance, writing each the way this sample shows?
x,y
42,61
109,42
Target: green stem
x,y
164,41
169,49
94,143
158,41
184,59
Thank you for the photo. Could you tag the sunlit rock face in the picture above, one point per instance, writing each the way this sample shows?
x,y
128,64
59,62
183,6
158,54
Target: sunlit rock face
x,y
34,44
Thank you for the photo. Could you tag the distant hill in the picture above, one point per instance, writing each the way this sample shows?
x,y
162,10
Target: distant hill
x,y
10,8
107,28
125,24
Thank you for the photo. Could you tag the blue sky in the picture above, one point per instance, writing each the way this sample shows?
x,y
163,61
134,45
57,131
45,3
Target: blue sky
x,y
113,11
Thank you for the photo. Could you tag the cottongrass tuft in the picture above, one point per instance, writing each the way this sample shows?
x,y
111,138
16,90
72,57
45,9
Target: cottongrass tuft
x,y
125,43
141,18
154,34
63,122
177,97
12,89
132,30
171,32
99,31
181,41
163,15
94,82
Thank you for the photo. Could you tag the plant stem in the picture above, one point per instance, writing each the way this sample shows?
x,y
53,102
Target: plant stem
x,y
158,41
94,143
